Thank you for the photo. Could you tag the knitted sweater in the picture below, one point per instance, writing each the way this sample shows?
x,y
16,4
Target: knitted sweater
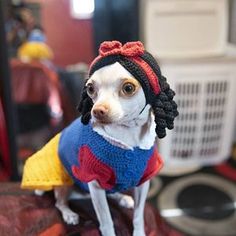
x,y
81,155
87,156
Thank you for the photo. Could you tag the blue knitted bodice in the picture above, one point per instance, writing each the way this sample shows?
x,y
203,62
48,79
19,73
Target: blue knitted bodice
x,y
128,166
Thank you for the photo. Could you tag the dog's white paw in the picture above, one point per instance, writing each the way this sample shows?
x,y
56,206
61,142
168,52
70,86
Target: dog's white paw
x,y
126,201
38,192
123,200
70,217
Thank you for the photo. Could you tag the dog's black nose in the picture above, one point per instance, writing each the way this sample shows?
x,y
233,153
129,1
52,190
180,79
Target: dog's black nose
x,y
100,112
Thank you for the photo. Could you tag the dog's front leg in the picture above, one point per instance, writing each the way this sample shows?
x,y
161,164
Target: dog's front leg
x,y
61,195
101,207
140,194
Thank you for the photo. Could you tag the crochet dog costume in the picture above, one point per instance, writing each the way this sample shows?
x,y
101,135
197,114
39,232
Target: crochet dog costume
x,y
83,156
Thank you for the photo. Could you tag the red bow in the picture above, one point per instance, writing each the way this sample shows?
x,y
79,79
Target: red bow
x,y
130,49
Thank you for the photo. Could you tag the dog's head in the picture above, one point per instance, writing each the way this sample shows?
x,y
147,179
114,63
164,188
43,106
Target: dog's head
x,y
117,97
122,81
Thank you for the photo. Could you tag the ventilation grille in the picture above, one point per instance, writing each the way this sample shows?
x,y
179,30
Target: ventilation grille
x,y
200,130
213,118
184,138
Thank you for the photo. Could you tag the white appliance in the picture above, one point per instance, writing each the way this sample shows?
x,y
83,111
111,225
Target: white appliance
x,y
206,98
184,28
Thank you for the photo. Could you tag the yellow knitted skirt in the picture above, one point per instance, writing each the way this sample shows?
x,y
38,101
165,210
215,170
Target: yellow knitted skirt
x,y
44,170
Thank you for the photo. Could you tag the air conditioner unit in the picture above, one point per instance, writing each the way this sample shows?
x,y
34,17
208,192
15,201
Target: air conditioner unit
x,y
205,94
184,28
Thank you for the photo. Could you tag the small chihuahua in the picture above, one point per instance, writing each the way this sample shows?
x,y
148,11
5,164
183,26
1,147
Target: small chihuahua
x,y
111,148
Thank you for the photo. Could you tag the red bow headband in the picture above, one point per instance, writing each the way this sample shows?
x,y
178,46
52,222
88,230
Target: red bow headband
x,y
132,50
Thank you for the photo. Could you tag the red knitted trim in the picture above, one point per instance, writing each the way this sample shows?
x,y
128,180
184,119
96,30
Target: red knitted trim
x,y
152,77
154,165
90,168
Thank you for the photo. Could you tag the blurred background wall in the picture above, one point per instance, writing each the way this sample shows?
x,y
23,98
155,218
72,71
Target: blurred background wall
x,y
57,22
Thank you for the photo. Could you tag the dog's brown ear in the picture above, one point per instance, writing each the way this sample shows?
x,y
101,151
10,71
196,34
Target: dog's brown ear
x,y
85,107
164,108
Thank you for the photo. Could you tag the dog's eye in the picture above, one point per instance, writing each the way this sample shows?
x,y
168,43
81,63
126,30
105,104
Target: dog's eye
x,y
90,89
128,89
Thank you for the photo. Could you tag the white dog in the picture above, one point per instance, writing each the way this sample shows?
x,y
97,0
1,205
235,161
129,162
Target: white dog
x,y
125,103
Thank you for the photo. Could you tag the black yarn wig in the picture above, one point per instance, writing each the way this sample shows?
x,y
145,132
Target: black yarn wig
x,y
163,105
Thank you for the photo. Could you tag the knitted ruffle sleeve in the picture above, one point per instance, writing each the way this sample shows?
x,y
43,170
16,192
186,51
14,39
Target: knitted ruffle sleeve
x,y
44,169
